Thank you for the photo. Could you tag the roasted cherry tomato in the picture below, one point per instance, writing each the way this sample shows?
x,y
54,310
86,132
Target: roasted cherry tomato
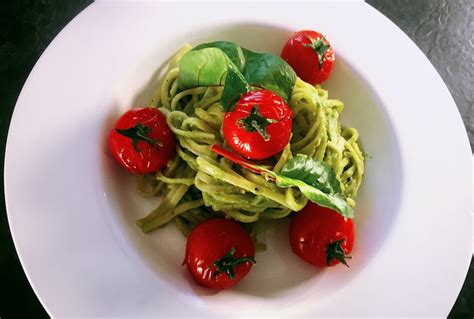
x,y
321,236
219,253
259,126
141,141
310,55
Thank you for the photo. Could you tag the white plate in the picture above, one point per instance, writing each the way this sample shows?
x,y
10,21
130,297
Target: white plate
x,y
72,211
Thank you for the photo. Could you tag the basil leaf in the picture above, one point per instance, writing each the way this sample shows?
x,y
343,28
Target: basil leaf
x,y
204,67
336,202
313,172
317,181
235,86
232,50
270,72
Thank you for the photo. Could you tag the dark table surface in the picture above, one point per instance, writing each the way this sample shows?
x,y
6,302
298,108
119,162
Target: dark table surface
x,y
444,31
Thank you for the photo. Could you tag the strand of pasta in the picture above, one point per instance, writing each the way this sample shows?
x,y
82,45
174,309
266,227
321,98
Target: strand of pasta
x,y
195,117
209,167
165,210
177,122
324,139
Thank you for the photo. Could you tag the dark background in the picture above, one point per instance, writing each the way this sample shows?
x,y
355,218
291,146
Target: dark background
x,y
444,31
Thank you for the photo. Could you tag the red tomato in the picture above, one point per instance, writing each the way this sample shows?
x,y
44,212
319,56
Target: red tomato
x,y
259,126
219,253
321,236
141,141
310,55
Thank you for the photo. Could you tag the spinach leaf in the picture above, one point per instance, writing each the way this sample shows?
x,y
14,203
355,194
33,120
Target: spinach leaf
x,y
203,67
316,180
232,50
235,86
270,72
209,63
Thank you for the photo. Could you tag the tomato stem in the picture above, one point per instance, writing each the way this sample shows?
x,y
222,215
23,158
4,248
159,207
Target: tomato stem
x,y
255,122
138,133
319,47
228,262
335,251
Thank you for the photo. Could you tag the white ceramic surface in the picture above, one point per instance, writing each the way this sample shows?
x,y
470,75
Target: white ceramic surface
x,y
72,210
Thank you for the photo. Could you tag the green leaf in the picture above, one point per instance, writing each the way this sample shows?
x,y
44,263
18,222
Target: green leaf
x,y
312,172
203,67
316,180
336,201
235,86
270,72
232,50
210,63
